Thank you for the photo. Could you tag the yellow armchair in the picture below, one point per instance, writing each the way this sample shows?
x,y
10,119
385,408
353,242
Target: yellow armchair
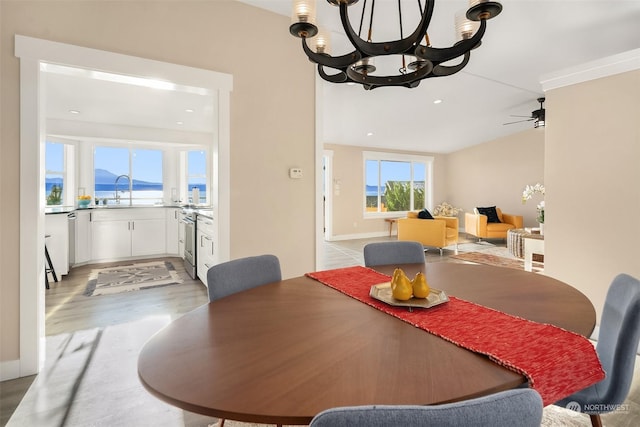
x,y
476,224
438,232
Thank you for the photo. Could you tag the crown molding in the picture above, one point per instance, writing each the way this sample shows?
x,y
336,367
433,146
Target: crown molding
x,y
611,65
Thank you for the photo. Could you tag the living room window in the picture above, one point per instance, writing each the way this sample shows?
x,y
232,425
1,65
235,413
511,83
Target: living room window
x,y
396,183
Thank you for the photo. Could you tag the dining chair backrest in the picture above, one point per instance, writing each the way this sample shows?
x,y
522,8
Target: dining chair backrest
x,y
618,339
512,408
398,252
241,274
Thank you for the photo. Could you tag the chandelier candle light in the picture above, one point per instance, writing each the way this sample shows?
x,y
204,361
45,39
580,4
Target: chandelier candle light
x,y
416,61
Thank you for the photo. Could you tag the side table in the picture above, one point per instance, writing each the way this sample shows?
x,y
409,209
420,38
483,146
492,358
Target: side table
x,y
391,221
532,247
516,240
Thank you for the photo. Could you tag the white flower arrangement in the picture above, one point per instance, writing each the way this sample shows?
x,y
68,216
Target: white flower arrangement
x,y
530,190
528,193
445,209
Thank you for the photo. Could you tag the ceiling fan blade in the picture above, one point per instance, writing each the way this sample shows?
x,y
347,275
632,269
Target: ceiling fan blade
x,y
519,121
515,115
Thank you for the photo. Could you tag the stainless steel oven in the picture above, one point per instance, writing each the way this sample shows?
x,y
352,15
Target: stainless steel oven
x,y
190,244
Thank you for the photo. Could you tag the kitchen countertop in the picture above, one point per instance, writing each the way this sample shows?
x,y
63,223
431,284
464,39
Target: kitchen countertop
x,y
68,209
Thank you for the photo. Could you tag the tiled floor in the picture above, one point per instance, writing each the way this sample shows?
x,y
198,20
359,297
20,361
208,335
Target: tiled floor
x,y
91,379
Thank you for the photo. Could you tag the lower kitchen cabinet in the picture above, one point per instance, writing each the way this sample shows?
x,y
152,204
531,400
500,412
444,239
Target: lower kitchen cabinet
x,y
124,233
205,256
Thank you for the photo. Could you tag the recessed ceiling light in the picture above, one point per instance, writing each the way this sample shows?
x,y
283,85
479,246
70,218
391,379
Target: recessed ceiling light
x,y
437,101
369,133
189,110
179,123
74,112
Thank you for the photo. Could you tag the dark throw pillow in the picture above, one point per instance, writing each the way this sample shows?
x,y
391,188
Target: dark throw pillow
x,y
490,212
424,214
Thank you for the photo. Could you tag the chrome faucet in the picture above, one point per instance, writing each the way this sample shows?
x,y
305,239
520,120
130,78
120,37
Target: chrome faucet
x,y
117,196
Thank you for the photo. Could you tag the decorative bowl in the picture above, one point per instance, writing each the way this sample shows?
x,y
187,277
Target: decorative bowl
x,y
83,203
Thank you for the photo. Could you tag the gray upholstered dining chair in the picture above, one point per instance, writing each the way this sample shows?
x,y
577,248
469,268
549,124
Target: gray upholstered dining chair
x,y
617,347
400,252
241,274
513,408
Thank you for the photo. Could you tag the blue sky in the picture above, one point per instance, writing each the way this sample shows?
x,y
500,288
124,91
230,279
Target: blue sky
x,y
394,171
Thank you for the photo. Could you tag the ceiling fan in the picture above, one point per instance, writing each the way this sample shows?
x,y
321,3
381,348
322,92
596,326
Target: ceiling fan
x,y
536,115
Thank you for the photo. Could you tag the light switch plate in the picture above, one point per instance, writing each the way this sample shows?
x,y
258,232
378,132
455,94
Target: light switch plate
x,y
295,173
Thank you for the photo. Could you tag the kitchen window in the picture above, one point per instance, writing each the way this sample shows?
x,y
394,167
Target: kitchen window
x,y
128,176
197,175
396,183
58,185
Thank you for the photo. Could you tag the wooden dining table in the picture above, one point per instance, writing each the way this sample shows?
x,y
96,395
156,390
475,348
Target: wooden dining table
x,y
283,352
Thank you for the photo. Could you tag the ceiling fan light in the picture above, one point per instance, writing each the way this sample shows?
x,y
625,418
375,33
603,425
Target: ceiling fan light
x,y
303,18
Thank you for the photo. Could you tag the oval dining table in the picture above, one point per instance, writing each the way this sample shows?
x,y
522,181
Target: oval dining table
x,y
283,352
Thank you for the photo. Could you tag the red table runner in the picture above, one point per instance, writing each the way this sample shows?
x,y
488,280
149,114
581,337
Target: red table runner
x,y
556,362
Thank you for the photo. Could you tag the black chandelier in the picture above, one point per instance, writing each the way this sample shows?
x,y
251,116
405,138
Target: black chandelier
x,y
418,61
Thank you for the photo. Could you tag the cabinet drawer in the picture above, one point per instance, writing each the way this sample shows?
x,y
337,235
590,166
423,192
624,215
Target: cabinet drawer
x,y
206,225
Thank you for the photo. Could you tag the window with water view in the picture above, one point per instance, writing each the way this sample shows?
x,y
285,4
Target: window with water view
x,y
395,183
128,176
197,174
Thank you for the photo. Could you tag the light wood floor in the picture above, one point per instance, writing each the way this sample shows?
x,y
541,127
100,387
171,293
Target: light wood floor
x,y
122,322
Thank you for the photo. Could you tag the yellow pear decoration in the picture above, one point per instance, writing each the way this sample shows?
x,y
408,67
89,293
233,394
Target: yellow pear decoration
x,y
401,288
420,286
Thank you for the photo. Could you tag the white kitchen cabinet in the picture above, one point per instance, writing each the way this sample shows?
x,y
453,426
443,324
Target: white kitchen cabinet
x,y
125,233
148,237
82,237
181,233
205,257
110,239
56,226
173,231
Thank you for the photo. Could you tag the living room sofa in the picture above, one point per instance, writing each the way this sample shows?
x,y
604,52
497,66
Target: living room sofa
x,y
438,232
476,224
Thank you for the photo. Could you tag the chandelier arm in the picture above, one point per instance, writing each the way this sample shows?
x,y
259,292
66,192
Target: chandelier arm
x,y
444,70
340,77
338,62
401,46
409,80
438,55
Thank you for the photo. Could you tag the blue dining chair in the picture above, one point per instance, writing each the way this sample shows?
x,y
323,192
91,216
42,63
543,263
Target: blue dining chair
x,y
617,347
241,274
397,252
513,408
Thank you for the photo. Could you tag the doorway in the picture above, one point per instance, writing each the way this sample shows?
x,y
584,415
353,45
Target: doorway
x,y
33,53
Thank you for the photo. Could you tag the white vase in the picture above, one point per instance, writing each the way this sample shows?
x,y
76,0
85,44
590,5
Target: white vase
x,y
542,229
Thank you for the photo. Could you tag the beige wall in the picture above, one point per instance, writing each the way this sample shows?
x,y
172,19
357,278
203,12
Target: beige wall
x,y
496,172
347,216
592,177
271,129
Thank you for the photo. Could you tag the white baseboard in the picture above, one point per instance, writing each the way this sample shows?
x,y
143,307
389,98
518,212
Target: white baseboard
x,y
359,236
9,370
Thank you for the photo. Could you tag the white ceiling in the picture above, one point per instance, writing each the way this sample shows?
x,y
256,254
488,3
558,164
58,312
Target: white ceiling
x,y
529,39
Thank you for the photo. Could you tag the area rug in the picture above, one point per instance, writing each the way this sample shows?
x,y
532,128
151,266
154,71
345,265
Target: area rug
x,y
498,257
489,259
131,277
